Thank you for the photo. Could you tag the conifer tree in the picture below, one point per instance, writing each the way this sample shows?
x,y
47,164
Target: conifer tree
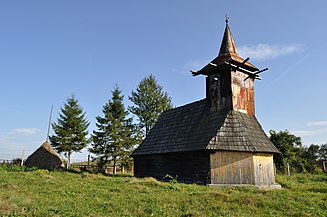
x,y
70,129
150,101
115,137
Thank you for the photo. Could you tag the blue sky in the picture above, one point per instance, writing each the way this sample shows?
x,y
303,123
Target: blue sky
x,y
51,49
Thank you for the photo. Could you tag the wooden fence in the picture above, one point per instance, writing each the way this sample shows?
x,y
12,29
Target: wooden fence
x,y
9,162
107,170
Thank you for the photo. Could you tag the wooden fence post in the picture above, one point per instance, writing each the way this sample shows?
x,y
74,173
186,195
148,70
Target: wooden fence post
x,y
288,169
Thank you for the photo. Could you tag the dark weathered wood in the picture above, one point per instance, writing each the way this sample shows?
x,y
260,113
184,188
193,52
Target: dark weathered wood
x,y
188,167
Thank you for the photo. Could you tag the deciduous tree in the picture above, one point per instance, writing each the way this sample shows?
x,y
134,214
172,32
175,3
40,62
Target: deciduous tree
x,y
310,158
290,147
150,101
323,152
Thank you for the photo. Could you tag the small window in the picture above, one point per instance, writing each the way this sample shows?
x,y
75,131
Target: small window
x,y
225,85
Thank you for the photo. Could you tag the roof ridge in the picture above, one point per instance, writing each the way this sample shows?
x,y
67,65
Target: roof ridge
x,y
186,105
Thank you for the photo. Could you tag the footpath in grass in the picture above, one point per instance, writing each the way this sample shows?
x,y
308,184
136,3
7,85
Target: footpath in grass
x,y
40,193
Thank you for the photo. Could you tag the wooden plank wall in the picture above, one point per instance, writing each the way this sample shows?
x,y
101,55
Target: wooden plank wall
x,y
188,167
263,169
228,167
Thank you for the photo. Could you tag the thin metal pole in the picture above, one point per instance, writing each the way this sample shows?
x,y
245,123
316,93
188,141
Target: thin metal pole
x,y
49,125
22,161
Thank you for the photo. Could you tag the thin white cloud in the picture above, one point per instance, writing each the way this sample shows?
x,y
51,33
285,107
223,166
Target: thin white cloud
x,y
190,65
314,132
14,142
25,131
195,64
261,52
317,123
4,139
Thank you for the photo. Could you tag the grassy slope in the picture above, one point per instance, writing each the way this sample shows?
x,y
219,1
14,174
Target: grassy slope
x,y
68,194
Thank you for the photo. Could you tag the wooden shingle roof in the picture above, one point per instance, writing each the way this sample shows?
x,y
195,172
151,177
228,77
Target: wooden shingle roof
x,y
193,127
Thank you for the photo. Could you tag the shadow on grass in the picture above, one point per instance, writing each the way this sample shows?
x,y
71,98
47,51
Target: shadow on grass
x,y
318,190
119,175
321,178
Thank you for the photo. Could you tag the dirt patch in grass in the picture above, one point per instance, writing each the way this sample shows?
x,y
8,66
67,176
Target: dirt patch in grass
x,y
247,200
6,207
10,186
149,181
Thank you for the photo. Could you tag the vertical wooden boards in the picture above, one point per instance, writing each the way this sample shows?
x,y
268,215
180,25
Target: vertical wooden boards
x,y
263,169
228,167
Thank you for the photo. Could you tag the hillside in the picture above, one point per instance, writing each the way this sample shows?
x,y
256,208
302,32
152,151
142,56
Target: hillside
x,y
40,193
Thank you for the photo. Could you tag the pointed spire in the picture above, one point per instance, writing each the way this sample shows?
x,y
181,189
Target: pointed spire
x,y
227,54
227,45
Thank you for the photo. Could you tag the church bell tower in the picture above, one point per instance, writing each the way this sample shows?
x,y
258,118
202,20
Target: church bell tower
x,y
230,78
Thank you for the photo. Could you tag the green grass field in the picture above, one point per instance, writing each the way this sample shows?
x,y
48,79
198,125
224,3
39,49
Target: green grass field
x,y
39,193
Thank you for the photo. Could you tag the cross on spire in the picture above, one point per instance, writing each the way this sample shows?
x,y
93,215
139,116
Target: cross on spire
x,y
227,18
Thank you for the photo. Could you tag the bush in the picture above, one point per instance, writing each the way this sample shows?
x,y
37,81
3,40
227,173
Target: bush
x,y
42,171
17,168
170,179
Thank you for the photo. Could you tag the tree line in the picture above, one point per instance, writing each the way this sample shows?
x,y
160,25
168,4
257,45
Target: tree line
x,y
292,154
117,134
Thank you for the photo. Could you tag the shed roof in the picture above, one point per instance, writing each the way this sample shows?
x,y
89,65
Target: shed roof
x,y
193,127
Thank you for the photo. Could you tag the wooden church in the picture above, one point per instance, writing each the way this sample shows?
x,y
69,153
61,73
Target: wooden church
x,y
217,140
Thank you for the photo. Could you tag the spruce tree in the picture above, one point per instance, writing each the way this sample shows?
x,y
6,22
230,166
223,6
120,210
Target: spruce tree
x,y
150,101
70,129
115,137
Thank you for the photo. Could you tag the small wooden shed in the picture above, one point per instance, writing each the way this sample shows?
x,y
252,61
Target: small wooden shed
x,y
217,140
45,157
